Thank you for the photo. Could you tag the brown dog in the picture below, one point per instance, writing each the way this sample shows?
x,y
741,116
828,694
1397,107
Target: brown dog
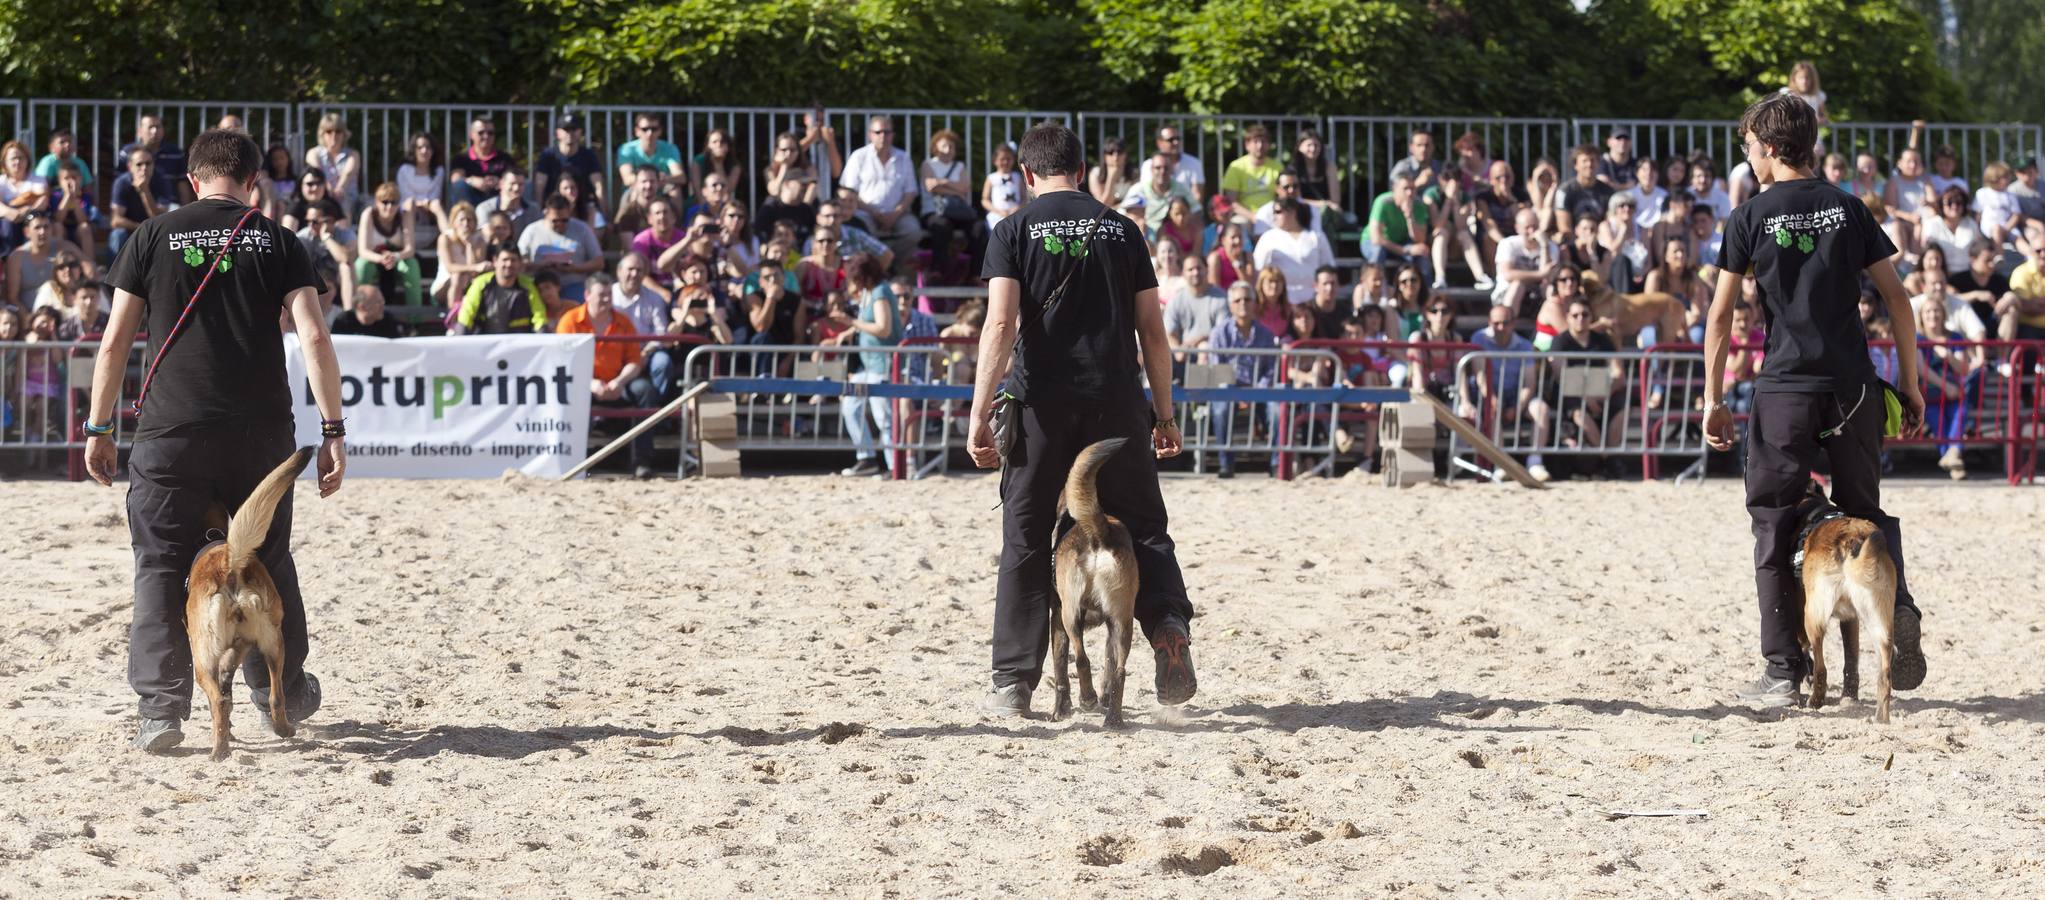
x,y
231,605
1095,566
1847,570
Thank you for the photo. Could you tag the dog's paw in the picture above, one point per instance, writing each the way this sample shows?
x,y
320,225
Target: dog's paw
x,y
1061,713
219,751
1113,719
1089,702
282,728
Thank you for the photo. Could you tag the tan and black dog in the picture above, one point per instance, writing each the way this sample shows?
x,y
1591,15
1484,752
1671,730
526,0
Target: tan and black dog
x,y
232,605
1847,571
1095,566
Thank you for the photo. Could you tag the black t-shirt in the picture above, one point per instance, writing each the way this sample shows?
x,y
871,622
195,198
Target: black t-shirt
x,y
1620,173
1996,286
227,364
582,165
1806,242
1084,349
1586,202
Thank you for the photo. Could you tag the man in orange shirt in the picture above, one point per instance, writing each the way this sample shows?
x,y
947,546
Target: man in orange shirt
x,y
617,376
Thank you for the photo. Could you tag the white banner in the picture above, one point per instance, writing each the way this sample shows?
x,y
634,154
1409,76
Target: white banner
x,y
455,407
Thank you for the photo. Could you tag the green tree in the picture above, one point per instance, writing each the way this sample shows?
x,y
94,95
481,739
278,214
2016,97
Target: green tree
x,y
1997,54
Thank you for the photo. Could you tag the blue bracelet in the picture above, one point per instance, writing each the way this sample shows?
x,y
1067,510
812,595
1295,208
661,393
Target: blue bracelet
x,y
106,430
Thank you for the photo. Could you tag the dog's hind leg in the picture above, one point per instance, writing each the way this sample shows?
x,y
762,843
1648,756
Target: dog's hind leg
x,y
271,643
204,671
1112,675
1061,645
1849,646
1878,603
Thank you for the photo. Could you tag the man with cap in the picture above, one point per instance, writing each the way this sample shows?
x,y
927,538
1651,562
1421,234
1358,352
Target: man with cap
x,y
569,155
1615,168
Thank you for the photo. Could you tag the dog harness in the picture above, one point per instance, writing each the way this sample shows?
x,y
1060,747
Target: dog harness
x,y
214,538
1796,562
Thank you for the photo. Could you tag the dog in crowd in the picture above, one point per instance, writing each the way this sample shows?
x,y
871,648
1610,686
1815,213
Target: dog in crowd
x,y
1847,571
232,605
1632,313
1095,573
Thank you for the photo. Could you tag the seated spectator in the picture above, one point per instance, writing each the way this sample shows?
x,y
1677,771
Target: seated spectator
x,y
74,213
1287,188
1867,176
503,300
86,313
1995,207
1674,221
1743,364
715,192
66,273
1152,198
461,256
1584,251
422,178
652,151
1274,309
1585,197
22,192
700,307
822,269
886,183
852,239
1397,233
791,164
387,254
1497,201
1524,261
1315,172
1181,229
1109,182
564,245
1705,238
1455,215
366,317
476,174
1371,290
1186,168
1707,188
1587,414
170,158
511,201
1982,285
2022,310
777,314
1196,308
632,211
1004,192
62,150
2030,200
1544,191
1329,308
742,248
1165,261
1616,167
1934,288
1432,368
569,158
1231,261
826,327
138,195
720,157
662,243
1951,230
1306,370
1945,171
40,385
1910,201
788,206
618,374
312,188
1833,170
1951,374
1741,184
1241,330
874,325
1420,167
1649,197
1501,388
338,162
497,229
1677,277
917,326
962,337
586,210
1294,251
947,197
35,262
1250,179
333,255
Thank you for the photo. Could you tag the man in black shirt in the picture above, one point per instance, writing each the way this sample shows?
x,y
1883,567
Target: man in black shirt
x,y
1078,382
1806,243
367,319
572,157
216,414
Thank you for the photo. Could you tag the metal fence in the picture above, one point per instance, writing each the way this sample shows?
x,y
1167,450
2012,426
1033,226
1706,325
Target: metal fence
x,y
1974,146
1661,139
1214,140
14,124
382,132
1366,148
100,128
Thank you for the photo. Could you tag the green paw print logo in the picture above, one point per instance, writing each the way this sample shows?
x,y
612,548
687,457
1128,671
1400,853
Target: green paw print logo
x,y
1782,237
226,262
194,257
1076,248
1054,244
1804,243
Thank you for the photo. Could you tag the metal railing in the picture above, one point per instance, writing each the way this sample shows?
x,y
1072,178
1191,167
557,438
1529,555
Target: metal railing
x,y
1216,140
14,124
752,131
382,132
100,128
1367,147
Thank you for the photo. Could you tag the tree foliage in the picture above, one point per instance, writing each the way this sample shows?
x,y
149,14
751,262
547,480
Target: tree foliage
x,y
1997,54
1644,58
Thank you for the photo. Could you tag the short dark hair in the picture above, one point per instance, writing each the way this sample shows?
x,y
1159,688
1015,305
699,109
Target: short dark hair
x,y
502,247
221,153
865,268
1051,149
1328,270
331,208
556,201
1289,205
1706,209
546,276
1785,122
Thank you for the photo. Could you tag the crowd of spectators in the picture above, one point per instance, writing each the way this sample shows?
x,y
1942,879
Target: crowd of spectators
x,y
1268,257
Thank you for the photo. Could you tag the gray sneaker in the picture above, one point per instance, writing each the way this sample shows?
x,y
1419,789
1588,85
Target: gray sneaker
x,y
1770,692
1007,700
158,735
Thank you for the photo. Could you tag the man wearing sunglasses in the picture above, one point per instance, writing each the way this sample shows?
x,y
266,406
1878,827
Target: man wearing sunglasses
x,y
885,181
474,175
648,150
1171,143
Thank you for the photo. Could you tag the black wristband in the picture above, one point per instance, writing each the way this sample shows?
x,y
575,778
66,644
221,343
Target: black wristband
x,y
333,428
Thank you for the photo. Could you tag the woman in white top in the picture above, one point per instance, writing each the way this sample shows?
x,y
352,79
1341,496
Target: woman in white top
x,y
1803,85
460,249
21,191
1649,196
1994,204
1907,195
386,249
1620,237
1952,230
1110,181
66,274
1003,191
338,161
947,201
421,182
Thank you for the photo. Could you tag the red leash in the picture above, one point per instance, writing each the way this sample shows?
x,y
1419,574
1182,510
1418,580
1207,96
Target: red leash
x,y
163,348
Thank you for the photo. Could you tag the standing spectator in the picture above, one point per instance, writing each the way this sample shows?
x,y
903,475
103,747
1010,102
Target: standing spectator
x,y
62,151
2030,201
570,158
35,262
790,207
1524,261
564,245
1945,166
478,172
1951,229
1230,261
1433,368
617,377
387,250
719,157
876,325
1679,278
1249,180
137,195
790,164
511,201
332,248
366,318
170,158
74,214
1707,188
462,256
1198,307
1951,373
1242,331
886,183
503,300
1004,192
820,139
1803,85
1585,196
632,211
337,161
1911,202
947,198
917,325
1186,168
1996,206
1294,251
22,192
1320,180
1616,168
1109,182
1153,198
1398,230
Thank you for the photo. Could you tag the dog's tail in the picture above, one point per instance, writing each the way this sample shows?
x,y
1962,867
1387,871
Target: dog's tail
x,y
1082,495
251,523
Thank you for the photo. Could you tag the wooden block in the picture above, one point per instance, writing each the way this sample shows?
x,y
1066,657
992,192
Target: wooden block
x,y
1485,448
722,427
1405,468
718,469
1409,425
711,406
719,450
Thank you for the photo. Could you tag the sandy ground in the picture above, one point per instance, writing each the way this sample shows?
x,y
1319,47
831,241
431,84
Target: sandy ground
x,y
765,687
